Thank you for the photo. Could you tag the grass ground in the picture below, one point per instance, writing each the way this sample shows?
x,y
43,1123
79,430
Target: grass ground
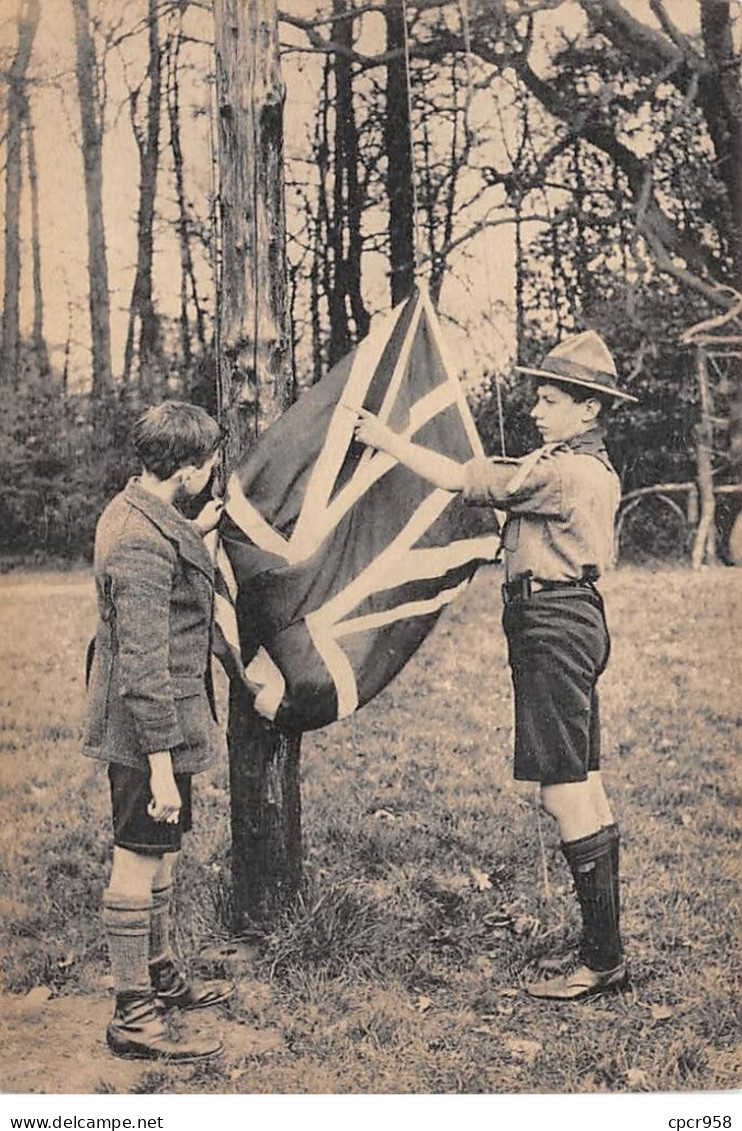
x,y
426,902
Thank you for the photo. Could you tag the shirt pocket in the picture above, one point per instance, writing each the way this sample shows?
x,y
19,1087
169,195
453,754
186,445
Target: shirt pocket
x,y
194,714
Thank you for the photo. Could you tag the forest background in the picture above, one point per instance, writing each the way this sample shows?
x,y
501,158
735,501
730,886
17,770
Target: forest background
x,y
546,165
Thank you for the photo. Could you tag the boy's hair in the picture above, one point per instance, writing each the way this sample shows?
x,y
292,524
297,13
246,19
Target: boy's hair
x,y
581,393
174,434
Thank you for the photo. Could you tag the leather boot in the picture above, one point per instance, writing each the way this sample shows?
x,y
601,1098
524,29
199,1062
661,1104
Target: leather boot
x,y
580,983
139,1031
175,991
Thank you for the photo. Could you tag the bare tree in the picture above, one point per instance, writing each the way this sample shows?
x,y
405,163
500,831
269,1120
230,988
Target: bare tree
x,y
17,102
37,333
147,137
344,244
91,118
188,288
398,146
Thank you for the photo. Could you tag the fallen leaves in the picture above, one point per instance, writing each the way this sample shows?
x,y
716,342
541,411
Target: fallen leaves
x,y
637,1078
480,880
525,1051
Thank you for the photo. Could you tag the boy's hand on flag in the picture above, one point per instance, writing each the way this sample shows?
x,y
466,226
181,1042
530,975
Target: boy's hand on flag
x,y
369,430
208,518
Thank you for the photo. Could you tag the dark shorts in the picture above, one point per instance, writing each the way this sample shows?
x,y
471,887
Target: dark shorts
x,y
558,646
133,828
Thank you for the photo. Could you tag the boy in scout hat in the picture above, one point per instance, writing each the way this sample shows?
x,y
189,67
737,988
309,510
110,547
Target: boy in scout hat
x,y
561,502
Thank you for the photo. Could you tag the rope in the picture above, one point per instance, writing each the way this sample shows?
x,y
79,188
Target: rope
x,y
542,846
214,257
466,36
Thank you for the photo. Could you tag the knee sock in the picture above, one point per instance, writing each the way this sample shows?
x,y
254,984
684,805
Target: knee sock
x,y
159,934
127,923
615,840
591,861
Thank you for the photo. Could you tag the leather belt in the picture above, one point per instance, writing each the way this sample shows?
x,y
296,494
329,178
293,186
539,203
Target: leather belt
x,y
523,587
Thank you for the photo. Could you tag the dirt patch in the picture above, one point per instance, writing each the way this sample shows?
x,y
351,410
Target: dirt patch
x,y
58,1045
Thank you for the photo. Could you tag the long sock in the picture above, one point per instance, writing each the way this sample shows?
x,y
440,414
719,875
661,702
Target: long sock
x,y
614,832
159,932
591,862
127,923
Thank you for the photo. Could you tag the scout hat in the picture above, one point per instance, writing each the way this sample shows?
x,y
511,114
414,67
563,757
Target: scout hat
x,y
581,359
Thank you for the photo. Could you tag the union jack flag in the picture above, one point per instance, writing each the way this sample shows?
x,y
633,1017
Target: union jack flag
x,y
335,561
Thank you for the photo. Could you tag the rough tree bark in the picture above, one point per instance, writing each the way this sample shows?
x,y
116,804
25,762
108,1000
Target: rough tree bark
x,y
400,173
257,385
91,119
38,340
321,272
336,231
28,20
704,546
188,287
345,242
142,309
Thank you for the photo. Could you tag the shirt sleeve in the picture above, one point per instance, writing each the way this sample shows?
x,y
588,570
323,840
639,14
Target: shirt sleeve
x,y
141,585
501,484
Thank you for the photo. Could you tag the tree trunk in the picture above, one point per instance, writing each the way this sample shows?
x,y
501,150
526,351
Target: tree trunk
x,y
37,334
400,172
346,134
257,385
28,20
337,232
188,287
92,155
148,143
704,546
721,100
322,260
722,103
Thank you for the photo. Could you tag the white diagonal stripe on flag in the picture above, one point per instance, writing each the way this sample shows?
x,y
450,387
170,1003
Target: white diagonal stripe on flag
x,y
429,406
377,465
400,612
251,522
224,571
389,566
227,620
338,666
451,373
400,368
340,431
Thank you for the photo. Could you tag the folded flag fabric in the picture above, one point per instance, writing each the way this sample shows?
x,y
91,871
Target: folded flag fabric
x,y
335,561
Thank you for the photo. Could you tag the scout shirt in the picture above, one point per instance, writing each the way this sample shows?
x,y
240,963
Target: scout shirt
x,y
561,503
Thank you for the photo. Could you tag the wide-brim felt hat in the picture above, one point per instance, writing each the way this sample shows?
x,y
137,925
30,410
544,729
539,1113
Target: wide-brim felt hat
x,y
581,359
